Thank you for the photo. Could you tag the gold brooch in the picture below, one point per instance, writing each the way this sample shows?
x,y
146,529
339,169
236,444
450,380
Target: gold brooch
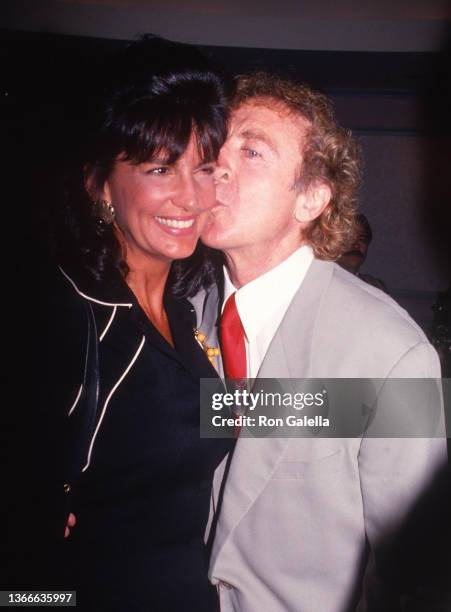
x,y
211,351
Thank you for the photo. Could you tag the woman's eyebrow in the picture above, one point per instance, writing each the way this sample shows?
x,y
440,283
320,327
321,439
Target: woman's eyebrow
x,y
160,161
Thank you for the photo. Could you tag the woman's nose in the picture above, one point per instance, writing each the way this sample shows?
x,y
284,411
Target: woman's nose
x,y
186,196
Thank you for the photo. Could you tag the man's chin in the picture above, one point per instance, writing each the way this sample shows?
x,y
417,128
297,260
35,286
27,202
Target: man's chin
x,y
214,244
216,239
210,238
213,236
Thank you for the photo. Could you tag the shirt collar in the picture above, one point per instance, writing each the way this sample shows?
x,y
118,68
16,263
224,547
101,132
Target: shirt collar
x,y
274,289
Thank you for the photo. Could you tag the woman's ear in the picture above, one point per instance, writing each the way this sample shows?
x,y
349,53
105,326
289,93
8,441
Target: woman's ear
x,y
311,203
89,182
91,186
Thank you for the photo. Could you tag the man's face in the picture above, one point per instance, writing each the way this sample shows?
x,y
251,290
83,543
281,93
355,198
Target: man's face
x,y
353,259
257,168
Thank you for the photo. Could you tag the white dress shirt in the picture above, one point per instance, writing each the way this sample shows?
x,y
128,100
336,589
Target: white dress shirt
x,y
263,302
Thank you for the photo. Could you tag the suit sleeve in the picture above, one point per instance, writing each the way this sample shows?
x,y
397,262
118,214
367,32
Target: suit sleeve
x,y
397,473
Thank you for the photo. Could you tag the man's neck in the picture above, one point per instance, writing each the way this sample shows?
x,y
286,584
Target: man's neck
x,y
245,265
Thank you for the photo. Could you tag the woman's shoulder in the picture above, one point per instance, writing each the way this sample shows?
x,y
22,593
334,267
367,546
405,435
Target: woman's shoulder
x,y
53,325
58,301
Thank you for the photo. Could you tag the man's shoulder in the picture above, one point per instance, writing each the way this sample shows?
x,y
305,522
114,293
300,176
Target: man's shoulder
x,y
366,304
368,330
373,280
365,310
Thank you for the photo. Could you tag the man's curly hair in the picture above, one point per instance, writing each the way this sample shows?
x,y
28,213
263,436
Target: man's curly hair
x,y
329,155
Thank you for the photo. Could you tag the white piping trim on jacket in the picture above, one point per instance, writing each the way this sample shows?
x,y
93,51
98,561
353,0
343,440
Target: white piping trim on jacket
x,y
72,408
87,297
110,395
108,324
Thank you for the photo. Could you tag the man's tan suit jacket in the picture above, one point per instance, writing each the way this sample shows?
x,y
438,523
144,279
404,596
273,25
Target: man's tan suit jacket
x,y
303,522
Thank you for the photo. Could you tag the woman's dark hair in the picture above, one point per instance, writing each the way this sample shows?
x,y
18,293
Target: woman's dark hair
x,y
157,92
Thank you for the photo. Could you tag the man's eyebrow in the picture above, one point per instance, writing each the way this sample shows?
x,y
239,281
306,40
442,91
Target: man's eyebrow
x,y
257,135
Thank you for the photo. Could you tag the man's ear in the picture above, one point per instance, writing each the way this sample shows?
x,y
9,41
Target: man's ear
x,y
311,202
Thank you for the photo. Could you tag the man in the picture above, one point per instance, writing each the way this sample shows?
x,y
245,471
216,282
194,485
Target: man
x,y
296,514
353,259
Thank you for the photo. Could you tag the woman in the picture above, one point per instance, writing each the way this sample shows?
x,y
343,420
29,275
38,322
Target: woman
x,y
139,476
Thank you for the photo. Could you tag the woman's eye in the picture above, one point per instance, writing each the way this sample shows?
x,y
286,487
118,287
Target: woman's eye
x,y
207,169
160,171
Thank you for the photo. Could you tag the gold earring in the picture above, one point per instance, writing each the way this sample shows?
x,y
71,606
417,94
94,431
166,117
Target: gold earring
x,y
104,212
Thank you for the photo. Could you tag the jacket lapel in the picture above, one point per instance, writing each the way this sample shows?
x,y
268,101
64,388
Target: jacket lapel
x,y
206,305
288,356
290,353
189,352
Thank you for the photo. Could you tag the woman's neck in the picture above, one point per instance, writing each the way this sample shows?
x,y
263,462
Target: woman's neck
x,y
148,284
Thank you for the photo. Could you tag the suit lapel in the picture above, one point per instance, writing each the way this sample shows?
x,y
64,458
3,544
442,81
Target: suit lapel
x,y
288,356
290,353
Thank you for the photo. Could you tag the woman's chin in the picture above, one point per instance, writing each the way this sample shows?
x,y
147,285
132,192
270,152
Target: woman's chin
x,y
182,251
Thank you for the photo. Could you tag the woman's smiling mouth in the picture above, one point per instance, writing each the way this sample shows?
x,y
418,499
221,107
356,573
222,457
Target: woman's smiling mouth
x,y
176,222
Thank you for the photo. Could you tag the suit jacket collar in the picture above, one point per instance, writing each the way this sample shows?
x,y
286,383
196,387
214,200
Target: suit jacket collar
x,y
285,358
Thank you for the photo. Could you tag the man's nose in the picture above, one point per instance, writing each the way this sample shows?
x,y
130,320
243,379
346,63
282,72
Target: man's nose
x,y
221,173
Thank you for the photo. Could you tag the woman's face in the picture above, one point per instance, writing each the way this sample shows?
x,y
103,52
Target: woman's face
x,y
161,209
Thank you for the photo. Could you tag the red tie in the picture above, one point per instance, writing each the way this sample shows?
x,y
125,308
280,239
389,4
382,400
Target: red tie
x,y
232,340
233,347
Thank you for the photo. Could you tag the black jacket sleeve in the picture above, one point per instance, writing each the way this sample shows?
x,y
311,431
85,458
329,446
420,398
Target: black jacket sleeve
x,y
45,369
